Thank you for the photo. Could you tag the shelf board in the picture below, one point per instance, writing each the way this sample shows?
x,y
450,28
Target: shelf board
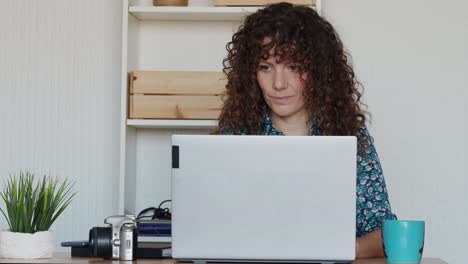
x,y
172,123
202,13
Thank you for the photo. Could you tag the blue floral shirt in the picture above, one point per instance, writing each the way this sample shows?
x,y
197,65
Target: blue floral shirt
x,y
372,205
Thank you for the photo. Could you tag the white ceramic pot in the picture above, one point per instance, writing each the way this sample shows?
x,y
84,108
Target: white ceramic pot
x,y
25,245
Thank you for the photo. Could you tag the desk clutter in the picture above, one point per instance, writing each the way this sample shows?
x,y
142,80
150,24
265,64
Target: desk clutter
x,y
126,239
154,230
144,250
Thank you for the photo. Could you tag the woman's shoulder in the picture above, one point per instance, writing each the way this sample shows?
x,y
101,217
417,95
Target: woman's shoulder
x,y
363,134
365,142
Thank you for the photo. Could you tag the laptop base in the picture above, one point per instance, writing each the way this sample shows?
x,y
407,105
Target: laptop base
x,y
263,261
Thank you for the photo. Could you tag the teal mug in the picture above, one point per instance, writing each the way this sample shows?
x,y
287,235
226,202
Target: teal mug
x,y
403,241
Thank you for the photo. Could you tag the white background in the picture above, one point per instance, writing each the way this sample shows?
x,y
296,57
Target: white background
x,y
59,104
412,59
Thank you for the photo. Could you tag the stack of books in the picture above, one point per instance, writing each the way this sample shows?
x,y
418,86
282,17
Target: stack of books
x,y
154,230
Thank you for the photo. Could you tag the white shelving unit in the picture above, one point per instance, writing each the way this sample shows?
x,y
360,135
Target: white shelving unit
x,y
165,38
169,123
190,13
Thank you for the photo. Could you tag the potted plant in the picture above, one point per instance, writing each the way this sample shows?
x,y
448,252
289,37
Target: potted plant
x,y
31,207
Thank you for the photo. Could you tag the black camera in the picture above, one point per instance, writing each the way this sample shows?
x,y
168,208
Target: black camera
x,y
117,241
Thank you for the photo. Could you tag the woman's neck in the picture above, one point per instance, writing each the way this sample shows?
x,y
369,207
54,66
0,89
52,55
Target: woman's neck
x,y
296,125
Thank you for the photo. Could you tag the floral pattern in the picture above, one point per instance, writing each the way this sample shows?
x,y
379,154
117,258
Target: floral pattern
x,y
372,204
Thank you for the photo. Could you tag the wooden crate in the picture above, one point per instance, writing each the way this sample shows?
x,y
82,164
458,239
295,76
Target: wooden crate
x,y
260,2
175,94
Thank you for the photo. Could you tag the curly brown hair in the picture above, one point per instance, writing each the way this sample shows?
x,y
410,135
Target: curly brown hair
x,y
300,35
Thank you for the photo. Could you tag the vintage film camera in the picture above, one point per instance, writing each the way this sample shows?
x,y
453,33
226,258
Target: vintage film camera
x,y
117,241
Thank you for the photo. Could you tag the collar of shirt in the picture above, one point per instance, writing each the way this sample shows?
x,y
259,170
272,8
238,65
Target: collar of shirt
x,y
270,130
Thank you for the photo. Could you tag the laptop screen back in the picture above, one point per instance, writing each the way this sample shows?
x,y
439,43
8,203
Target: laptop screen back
x,y
263,198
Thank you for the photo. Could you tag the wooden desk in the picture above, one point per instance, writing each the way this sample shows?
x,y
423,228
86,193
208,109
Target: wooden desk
x,y
65,258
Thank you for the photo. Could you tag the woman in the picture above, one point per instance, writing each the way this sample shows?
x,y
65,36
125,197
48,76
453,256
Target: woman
x,y
289,75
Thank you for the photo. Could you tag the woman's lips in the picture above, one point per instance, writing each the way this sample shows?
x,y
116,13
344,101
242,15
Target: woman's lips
x,y
280,100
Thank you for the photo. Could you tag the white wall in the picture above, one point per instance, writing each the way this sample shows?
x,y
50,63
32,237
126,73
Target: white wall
x,y
412,58
59,102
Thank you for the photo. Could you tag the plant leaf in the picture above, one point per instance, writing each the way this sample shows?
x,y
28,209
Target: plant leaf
x,y
33,207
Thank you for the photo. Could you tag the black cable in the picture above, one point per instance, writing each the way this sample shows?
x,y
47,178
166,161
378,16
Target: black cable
x,y
140,215
157,213
165,201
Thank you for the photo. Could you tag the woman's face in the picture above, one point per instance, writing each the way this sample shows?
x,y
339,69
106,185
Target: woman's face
x,y
282,88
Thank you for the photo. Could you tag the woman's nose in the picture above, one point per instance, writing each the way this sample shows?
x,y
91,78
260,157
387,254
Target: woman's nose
x,y
279,82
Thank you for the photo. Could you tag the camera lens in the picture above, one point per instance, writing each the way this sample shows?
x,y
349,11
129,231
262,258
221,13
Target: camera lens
x,y
100,242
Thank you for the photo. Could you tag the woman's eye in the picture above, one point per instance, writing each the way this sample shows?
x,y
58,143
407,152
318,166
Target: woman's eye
x,y
294,67
264,67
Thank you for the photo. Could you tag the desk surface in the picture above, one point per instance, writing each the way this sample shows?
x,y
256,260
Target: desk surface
x,y
65,258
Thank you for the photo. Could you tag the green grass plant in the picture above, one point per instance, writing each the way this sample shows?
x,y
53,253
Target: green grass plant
x,y
32,206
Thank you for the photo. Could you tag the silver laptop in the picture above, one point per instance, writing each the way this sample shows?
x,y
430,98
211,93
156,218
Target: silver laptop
x,y
263,198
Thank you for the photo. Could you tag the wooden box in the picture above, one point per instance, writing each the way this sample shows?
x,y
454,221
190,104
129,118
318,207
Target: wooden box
x,y
175,94
260,2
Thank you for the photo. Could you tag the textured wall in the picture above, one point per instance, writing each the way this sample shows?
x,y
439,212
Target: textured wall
x,y
59,102
412,59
